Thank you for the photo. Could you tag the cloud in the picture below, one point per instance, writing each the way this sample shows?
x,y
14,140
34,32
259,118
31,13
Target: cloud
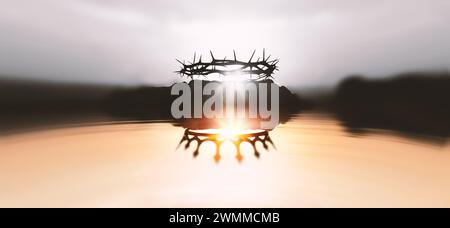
x,y
134,42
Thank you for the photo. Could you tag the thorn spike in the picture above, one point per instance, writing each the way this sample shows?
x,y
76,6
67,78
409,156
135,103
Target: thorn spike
x,y
179,61
252,56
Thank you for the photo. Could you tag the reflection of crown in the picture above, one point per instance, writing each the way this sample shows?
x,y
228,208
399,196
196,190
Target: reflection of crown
x,y
200,137
261,68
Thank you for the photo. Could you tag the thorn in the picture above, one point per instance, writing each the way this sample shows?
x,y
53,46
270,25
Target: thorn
x,y
200,61
234,53
179,62
252,56
212,56
264,54
268,58
195,55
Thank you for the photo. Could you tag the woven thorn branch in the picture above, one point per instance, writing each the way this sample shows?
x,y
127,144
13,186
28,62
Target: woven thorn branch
x,y
261,68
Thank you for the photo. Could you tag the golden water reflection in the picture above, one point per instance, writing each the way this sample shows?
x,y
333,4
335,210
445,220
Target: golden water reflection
x,y
316,164
198,139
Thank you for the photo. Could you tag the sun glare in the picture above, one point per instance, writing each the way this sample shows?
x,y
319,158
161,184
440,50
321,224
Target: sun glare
x,y
227,133
233,76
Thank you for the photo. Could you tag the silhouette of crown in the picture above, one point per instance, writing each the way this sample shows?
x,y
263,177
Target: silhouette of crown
x,y
252,138
261,68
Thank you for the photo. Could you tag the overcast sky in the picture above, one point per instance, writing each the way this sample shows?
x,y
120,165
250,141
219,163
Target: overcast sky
x,y
135,41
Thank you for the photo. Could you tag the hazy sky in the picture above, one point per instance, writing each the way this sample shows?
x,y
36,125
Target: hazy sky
x,y
136,41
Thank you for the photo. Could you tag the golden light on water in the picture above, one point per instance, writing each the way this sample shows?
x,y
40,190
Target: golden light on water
x,y
226,141
316,164
226,133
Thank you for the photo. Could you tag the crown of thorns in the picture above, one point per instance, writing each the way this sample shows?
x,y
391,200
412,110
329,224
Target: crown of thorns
x,y
262,68
191,136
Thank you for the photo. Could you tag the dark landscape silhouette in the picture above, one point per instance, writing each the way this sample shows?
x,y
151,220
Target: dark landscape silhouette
x,y
416,103
413,103
27,104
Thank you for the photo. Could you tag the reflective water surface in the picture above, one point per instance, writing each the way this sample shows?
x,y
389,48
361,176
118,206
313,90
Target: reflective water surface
x,y
313,162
